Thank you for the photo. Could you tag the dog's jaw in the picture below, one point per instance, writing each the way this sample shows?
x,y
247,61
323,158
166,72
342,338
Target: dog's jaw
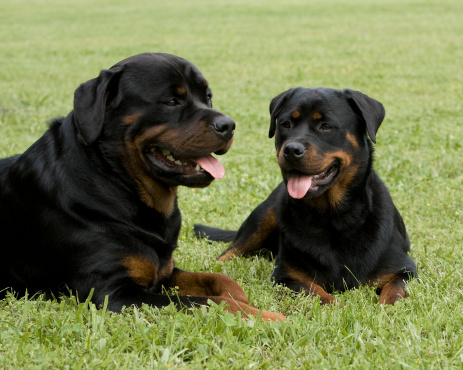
x,y
163,159
302,185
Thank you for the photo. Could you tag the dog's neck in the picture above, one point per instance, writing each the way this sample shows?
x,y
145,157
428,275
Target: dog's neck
x,y
157,196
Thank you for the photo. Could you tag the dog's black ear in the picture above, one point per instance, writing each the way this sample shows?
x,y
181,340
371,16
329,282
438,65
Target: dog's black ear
x,y
90,101
369,109
275,107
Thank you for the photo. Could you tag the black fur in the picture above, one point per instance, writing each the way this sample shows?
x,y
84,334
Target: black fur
x,y
93,204
342,231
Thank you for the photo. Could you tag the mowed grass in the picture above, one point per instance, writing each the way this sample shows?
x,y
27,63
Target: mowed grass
x,y
406,54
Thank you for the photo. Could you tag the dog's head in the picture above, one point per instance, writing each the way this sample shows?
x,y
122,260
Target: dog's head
x,y
321,137
151,117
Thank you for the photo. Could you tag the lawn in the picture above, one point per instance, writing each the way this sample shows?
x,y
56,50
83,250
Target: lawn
x,y
407,54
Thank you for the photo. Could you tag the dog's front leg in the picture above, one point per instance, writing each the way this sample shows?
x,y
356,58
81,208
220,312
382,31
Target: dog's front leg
x,y
298,280
258,231
217,288
310,288
200,284
392,291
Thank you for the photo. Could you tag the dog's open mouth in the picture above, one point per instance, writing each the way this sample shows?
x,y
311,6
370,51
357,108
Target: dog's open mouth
x,y
186,166
299,184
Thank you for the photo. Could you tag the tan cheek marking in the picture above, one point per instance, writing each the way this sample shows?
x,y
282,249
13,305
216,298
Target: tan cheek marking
x,y
181,90
152,193
296,114
149,134
205,83
185,140
352,140
198,138
348,171
141,270
317,115
313,161
336,193
128,120
346,158
176,139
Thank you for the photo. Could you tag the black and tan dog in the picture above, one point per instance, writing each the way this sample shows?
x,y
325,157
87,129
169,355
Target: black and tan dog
x,y
93,203
332,220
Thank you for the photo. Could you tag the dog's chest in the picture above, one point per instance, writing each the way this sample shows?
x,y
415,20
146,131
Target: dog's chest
x,y
153,223
314,245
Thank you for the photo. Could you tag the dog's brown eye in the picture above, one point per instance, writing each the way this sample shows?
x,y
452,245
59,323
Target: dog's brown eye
x,y
172,103
286,124
325,127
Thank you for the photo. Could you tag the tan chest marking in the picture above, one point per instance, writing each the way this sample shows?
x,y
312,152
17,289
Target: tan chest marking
x,y
142,270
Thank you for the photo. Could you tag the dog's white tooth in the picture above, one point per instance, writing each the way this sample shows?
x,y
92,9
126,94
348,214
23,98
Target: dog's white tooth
x,y
178,162
170,158
197,167
165,152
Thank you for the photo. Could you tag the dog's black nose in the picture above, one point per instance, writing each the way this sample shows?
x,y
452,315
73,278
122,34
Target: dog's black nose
x,y
293,151
224,126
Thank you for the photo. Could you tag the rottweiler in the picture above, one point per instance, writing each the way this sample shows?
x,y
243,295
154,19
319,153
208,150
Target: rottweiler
x,y
92,205
331,221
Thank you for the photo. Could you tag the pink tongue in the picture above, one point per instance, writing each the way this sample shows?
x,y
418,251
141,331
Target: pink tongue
x,y
298,185
211,165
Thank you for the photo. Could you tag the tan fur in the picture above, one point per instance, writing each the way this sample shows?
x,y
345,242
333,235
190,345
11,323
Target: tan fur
x,y
152,193
310,286
128,120
352,140
166,271
219,288
268,224
392,291
315,162
141,270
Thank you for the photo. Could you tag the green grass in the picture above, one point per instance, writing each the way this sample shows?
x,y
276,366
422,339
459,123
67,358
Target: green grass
x,y
407,54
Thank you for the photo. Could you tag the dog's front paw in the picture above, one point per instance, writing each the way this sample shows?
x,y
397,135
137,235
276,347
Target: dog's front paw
x,y
227,255
272,316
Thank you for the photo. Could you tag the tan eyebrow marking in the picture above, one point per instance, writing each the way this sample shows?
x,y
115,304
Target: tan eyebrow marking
x,y
352,140
317,115
181,90
128,120
296,114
